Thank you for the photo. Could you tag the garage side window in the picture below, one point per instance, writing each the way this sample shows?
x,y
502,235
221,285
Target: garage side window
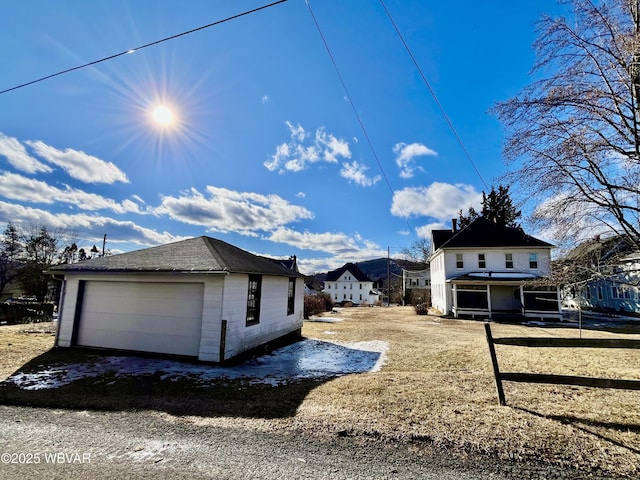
x,y
253,299
291,296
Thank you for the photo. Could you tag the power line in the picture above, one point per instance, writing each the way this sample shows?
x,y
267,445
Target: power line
x,y
133,50
355,110
433,94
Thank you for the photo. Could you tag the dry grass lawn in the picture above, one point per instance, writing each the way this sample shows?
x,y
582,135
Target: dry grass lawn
x,y
437,391
438,386
21,343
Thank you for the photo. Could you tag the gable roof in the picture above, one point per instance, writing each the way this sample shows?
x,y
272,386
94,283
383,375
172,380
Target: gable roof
x,y
195,255
484,233
291,263
603,250
352,268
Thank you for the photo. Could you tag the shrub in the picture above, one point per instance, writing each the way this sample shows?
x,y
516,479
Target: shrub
x,y
422,309
26,312
314,304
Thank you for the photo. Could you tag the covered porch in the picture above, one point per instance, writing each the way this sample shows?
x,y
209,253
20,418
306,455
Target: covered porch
x,y
495,295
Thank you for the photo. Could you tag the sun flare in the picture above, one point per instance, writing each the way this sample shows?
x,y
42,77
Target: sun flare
x,y
163,115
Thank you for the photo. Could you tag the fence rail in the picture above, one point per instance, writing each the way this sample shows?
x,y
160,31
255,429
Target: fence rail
x,y
537,342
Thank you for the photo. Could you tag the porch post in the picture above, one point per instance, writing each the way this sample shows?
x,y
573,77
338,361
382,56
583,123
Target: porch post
x,y
489,300
454,289
522,299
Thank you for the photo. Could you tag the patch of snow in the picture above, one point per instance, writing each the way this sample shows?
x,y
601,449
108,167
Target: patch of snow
x,y
329,332
325,319
306,359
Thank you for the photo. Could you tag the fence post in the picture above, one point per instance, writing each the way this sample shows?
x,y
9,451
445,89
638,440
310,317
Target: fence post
x,y
494,362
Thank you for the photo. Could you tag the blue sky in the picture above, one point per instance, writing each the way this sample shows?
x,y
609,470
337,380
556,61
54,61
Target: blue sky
x,y
266,151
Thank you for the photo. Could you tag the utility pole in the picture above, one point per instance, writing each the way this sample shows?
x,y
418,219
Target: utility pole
x,y
388,280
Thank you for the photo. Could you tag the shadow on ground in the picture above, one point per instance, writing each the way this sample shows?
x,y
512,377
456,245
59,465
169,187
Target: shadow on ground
x,y
590,426
269,386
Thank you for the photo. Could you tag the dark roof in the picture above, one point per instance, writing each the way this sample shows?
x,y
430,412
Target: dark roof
x,y
195,255
484,233
353,268
291,263
601,249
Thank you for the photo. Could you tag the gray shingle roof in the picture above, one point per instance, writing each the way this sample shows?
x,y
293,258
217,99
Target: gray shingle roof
x,y
484,233
195,255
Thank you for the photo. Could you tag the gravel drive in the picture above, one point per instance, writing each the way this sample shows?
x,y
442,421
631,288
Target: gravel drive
x,y
101,445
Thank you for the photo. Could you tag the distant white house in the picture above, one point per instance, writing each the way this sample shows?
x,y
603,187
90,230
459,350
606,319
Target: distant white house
x,y
350,284
488,270
416,285
200,297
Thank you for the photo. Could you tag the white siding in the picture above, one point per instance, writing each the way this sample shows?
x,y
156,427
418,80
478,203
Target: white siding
x,y
66,311
443,267
211,319
274,321
495,261
346,287
225,297
438,285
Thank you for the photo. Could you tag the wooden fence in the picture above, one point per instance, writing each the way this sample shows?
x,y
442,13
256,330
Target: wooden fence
x,y
557,379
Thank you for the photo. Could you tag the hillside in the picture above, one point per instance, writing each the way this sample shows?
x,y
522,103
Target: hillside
x,y
376,269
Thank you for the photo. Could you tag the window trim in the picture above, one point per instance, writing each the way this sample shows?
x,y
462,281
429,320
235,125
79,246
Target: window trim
x,y
533,261
291,296
482,260
254,294
459,260
508,261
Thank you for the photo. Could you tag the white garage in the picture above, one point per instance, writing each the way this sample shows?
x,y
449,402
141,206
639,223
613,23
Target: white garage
x,y
149,317
202,298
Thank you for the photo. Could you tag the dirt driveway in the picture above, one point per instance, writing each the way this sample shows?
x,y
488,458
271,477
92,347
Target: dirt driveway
x,y
50,443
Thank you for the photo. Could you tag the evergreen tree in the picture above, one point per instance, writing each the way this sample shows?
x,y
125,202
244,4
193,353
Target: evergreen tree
x,y
496,207
465,220
9,253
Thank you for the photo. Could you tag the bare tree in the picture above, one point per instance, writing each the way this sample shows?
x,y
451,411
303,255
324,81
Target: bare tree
x,y
419,251
573,135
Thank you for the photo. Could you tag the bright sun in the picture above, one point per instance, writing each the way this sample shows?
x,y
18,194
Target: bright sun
x,y
163,115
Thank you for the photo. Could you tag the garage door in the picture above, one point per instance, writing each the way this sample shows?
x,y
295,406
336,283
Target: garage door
x,y
148,317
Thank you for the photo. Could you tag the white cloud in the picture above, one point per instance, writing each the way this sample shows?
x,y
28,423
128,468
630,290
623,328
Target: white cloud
x,y
353,247
224,210
425,230
17,156
301,195
303,149
441,201
79,165
356,172
18,187
265,99
406,156
88,226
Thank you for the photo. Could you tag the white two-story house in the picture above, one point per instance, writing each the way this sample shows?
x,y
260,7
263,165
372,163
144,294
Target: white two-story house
x,y
350,284
488,270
